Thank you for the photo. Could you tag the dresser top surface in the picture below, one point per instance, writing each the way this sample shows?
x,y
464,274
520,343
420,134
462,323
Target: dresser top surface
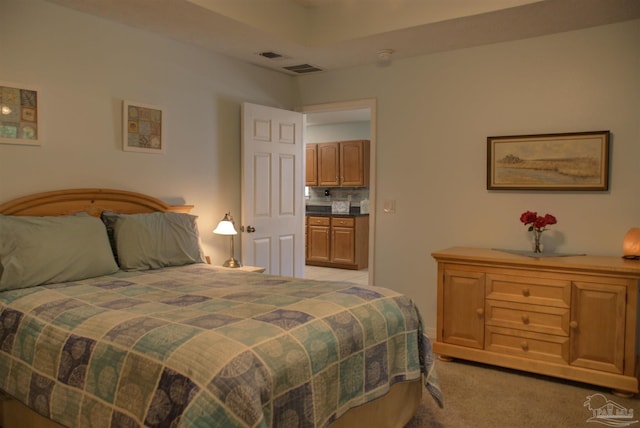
x,y
610,264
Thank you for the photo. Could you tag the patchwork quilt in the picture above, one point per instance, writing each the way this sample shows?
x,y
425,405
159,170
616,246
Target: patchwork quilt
x,y
200,346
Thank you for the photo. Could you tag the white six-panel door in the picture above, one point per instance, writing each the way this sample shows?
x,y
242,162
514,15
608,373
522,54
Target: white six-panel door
x,y
272,192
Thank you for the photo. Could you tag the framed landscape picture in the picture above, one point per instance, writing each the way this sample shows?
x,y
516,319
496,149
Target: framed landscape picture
x,y
19,115
569,161
143,128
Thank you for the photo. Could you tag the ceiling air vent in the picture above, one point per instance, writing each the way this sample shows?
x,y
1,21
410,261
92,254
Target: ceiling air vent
x,y
303,68
271,55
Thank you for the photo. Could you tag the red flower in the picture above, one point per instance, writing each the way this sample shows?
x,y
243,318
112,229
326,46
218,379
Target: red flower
x,y
528,217
537,222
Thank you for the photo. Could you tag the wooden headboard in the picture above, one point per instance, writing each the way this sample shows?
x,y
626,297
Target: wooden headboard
x,y
92,201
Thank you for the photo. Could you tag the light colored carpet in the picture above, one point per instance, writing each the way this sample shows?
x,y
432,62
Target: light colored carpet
x,y
481,396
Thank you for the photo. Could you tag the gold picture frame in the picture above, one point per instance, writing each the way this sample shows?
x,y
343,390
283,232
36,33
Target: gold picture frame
x,y
19,114
142,128
566,161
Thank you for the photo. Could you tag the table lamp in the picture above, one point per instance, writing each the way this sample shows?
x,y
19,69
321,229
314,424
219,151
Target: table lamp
x,y
225,227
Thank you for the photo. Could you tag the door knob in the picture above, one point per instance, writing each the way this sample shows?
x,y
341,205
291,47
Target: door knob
x,y
251,229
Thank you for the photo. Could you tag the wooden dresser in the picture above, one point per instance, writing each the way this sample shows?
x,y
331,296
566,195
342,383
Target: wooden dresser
x,y
569,317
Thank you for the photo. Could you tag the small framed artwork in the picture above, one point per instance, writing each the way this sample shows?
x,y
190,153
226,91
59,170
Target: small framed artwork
x,y
569,161
142,128
19,115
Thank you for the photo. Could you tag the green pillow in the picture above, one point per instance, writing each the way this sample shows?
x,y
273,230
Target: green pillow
x,y
43,250
154,240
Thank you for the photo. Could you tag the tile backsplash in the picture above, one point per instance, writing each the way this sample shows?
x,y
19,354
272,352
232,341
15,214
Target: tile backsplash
x,y
355,194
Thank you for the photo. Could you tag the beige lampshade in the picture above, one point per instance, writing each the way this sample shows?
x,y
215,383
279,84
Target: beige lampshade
x,y
631,242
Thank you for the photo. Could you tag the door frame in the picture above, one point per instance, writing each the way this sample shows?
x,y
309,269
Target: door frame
x,y
371,104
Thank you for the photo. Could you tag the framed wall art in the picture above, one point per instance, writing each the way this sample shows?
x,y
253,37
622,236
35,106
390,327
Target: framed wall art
x,y
143,128
569,161
19,115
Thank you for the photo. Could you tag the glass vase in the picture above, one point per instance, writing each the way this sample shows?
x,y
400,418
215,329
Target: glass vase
x,y
537,246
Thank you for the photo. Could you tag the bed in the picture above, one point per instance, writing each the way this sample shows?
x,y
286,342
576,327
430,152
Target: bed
x,y
110,316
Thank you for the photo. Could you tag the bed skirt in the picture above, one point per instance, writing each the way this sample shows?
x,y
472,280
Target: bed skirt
x,y
393,410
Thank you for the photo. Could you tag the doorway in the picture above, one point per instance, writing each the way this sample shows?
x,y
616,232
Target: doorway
x,y
343,112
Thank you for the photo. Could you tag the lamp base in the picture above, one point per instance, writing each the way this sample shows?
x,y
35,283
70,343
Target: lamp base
x,y
231,263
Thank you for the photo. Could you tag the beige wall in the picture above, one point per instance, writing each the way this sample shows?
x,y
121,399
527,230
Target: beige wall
x,y
84,67
434,114
337,132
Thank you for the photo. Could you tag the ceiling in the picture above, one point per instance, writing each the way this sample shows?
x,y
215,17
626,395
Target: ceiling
x,y
334,34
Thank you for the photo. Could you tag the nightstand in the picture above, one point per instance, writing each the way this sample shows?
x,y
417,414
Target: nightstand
x,y
256,269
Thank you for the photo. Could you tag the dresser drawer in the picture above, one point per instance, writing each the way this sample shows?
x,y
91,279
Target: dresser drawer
x,y
522,316
343,221
318,221
529,289
536,346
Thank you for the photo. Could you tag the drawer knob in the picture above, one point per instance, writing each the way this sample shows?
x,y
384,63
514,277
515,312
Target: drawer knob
x,y
525,319
526,292
480,311
573,324
525,346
